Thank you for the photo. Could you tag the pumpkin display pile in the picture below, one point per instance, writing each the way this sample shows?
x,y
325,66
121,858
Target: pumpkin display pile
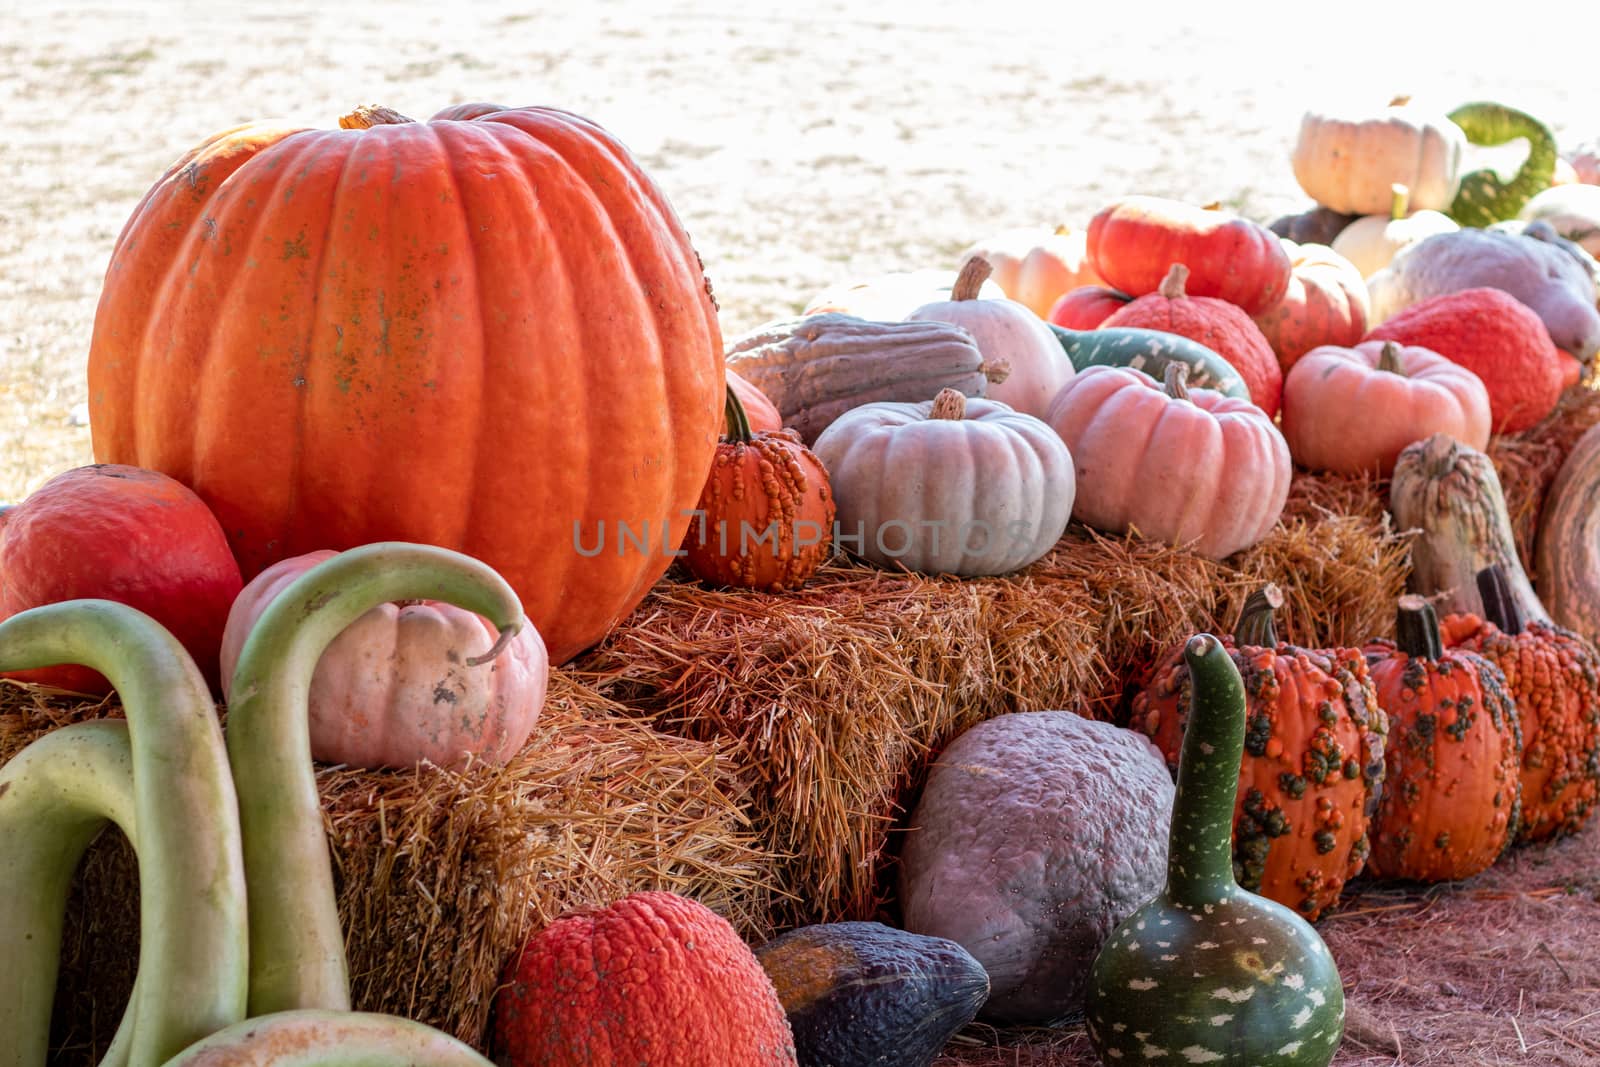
x,y
276,519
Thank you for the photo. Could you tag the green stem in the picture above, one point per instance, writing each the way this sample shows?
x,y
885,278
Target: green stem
x,y
1255,628
737,423
329,1039
1416,628
162,776
1200,851
1499,606
1400,202
297,957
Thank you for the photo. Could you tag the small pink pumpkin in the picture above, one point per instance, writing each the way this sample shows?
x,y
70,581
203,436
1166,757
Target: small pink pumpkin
x,y
394,688
1355,409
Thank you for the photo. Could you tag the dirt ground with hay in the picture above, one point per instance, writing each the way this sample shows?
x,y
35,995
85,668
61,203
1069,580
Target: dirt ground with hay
x,y
699,748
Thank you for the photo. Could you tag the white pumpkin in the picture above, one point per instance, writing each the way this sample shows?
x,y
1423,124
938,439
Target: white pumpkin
x,y
1347,161
1005,330
950,486
1371,242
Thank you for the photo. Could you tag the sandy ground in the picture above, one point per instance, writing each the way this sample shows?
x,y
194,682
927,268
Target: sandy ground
x,y
801,143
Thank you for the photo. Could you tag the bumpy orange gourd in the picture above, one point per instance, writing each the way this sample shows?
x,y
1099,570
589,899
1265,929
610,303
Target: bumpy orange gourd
x,y
1452,791
1326,304
655,978
487,332
1313,764
1218,325
1554,676
767,510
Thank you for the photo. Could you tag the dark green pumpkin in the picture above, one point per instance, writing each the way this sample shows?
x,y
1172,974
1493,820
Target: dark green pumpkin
x,y
1483,198
860,993
1151,351
1206,972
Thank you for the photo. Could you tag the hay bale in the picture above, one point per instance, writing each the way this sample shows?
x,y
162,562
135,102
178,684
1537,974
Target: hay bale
x,y
442,875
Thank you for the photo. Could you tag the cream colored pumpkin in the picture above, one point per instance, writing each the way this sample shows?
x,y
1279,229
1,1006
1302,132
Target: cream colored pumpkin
x,y
1005,331
1182,466
1036,267
395,687
1371,242
950,486
1348,161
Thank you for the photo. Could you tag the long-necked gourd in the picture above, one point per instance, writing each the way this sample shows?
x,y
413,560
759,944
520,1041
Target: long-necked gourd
x,y
162,777
1206,972
1483,198
297,955
313,1038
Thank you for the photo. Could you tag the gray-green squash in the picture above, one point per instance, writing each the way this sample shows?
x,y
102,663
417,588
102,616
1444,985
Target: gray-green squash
x,y
1206,972
816,368
1151,351
1483,197
860,994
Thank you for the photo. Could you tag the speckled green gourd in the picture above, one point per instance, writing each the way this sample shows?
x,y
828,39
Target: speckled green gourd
x,y
1207,973
1483,198
1151,351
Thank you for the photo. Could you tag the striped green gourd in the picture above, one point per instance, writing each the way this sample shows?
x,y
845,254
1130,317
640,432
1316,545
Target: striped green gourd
x,y
1206,972
1151,351
1483,198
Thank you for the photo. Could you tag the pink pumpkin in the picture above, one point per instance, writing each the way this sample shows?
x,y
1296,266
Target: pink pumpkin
x,y
1355,409
1180,465
395,688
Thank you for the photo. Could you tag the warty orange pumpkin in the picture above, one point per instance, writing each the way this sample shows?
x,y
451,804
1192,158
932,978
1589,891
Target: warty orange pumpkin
x,y
487,331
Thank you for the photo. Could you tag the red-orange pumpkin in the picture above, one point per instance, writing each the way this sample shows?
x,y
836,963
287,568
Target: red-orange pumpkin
x,y
119,533
487,332
653,979
1134,242
1088,306
1326,304
759,411
1217,324
766,515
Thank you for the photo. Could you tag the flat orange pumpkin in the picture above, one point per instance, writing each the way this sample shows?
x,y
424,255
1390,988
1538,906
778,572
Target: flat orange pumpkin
x,y
487,332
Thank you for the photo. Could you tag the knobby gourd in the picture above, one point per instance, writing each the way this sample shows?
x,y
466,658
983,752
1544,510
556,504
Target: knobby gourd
x,y
1484,197
1206,972
312,1038
297,957
162,777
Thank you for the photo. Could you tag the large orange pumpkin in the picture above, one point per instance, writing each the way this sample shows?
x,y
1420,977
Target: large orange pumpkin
x,y
487,332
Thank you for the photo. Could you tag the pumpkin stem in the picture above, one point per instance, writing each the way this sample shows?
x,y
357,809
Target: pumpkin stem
x,y
973,274
1062,229
1400,203
1400,101
1389,359
1199,857
996,370
1416,627
1215,205
1173,284
1255,628
508,634
1176,380
367,116
949,404
737,423
1499,606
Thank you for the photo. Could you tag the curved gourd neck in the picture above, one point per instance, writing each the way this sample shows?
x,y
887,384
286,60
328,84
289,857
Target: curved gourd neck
x,y
1256,628
1200,851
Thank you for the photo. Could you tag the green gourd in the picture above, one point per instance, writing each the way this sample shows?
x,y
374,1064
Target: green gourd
x,y
1206,972
161,776
1483,198
297,957
1150,351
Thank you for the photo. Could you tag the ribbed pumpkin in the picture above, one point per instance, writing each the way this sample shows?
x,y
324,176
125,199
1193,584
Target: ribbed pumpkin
x,y
1217,324
1568,546
1036,266
766,514
1087,307
1400,393
1313,764
1452,791
1554,677
1371,242
335,337
1134,242
1347,160
759,412
1325,304
1185,467
654,978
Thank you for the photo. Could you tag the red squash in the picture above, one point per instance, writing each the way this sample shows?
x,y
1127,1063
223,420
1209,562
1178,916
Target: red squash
x,y
759,412
487,332
1088,306
1326,304
119,533
1499,339
1134,242
1217,324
